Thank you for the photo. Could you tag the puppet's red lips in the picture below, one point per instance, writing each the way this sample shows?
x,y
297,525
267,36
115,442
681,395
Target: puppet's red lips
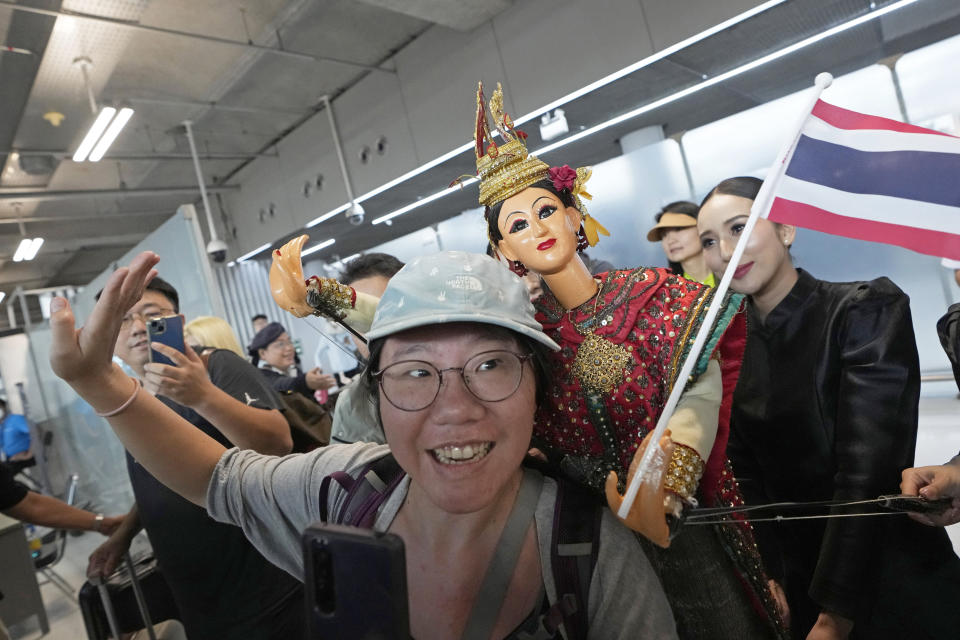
x,y
546,244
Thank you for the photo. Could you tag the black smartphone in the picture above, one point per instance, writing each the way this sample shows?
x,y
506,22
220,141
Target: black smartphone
x,y
167,330
356,584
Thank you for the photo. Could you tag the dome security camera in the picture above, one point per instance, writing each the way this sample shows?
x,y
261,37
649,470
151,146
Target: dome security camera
x,y
217,250
355,214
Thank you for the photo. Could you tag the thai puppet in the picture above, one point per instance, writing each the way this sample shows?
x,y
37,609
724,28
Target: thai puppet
x,y
623,335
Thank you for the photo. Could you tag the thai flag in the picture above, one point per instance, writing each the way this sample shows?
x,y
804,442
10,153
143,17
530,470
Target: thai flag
x,y
872,178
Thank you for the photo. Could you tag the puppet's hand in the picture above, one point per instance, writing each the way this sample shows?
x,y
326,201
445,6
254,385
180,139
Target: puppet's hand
x,y
286,279
330,298
647,516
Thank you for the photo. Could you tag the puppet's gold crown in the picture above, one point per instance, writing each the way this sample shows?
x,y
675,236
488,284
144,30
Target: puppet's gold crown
x,y
506,169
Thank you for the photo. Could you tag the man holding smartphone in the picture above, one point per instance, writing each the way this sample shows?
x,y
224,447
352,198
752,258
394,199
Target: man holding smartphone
x,y
224,588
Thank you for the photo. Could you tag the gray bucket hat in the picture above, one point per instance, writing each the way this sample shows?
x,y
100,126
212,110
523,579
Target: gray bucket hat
x,y
456,286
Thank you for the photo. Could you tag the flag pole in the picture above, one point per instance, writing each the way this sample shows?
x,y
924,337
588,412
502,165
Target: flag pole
x,y
761,207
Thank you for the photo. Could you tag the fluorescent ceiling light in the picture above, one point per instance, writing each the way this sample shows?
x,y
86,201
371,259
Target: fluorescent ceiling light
x,y
314,249
389,185
35,245
27,250
423,201
656,104
106,114
250,254
3,294
328,215
556,103
646,62
561,101
111,134
18,254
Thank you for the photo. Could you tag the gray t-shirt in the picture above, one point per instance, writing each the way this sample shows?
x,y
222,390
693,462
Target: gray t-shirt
x,y
355,418
274,499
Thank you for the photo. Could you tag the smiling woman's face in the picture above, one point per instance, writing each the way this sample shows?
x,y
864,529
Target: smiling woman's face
x,y
538,230
460,451
280,353
765,258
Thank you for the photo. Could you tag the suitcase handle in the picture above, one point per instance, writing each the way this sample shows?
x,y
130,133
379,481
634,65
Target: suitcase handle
x,y
137,594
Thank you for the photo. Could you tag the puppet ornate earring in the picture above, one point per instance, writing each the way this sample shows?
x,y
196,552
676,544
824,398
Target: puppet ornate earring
x,y
582,242
518,268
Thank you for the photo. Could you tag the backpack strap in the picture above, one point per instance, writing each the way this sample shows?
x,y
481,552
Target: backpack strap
x,y
574,548
365,493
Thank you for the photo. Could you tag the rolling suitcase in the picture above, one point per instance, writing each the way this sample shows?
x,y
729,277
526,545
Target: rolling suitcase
x,y
132,598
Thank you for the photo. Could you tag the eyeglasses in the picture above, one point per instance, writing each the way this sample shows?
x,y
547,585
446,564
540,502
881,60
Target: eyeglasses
x,y
413,385
280,344
144,316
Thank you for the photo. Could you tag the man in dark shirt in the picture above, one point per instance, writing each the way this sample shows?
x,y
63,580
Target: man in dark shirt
x,y
223,587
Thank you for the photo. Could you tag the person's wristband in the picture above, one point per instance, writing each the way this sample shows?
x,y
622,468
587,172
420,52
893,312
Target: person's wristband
x,y
133,396
98,522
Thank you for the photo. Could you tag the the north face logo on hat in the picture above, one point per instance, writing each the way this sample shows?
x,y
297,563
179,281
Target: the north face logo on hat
x,y
465,283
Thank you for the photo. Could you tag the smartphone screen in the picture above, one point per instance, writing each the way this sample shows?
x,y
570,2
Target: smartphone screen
x,y
356,584
169,331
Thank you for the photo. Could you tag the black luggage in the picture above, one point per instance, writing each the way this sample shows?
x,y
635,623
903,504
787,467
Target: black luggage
x,y
135,596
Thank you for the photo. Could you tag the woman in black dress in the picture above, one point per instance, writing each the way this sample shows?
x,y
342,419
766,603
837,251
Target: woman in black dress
x,y
826,408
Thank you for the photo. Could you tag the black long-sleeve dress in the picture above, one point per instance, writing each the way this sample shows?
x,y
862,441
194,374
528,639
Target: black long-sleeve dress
x,y
826,408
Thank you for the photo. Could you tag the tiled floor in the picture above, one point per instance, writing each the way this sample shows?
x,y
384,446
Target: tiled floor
x,y
938,440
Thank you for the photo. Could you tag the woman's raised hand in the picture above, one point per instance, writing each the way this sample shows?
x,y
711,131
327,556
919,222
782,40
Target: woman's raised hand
x,y
85,354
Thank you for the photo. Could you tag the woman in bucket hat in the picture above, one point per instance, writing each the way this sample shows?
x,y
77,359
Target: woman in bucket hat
x,y
456,368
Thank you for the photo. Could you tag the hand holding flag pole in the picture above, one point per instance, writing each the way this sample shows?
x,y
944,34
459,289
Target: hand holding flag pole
x,y
761,206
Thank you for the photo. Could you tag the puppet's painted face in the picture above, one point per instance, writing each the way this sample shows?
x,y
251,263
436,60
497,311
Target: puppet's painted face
x,y
538,230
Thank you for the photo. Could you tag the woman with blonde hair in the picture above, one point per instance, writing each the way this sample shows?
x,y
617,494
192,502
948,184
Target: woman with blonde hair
x,y
210,331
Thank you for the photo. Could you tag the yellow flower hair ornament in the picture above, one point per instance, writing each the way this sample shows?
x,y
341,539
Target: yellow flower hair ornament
x,y
592,228
566,179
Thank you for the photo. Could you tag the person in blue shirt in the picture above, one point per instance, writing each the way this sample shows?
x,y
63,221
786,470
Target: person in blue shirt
x,y
15,439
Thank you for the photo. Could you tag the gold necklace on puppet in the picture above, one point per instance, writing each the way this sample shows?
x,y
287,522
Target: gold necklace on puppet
x,y
600,365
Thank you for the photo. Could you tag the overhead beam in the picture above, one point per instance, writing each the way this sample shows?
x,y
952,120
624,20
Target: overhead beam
x,y
159,155
85,216
127,24
21,195
213,104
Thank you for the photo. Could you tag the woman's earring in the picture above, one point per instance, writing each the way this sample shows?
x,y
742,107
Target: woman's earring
x,y
518,268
